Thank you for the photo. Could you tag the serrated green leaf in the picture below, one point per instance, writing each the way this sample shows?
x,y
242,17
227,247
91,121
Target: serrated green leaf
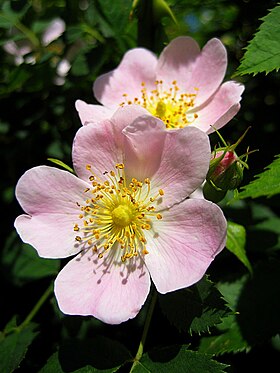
x,y
236,241
177,359
256,320
229,338
194,309
266,184
263,51
98,354
21,263
14,346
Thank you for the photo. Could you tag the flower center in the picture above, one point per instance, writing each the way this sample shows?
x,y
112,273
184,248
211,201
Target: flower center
x,y
117,213
122,215
171,105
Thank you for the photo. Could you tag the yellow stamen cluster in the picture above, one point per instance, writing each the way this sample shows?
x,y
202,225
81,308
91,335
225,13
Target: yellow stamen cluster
x,y
117,213
172,106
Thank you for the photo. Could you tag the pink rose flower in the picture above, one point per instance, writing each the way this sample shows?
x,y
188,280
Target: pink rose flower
x,y
127,215
182,87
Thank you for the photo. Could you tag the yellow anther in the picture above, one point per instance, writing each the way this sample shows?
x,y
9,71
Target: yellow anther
x,y
117,214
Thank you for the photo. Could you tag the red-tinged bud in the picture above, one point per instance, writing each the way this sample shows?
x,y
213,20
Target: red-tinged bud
x,y
225,171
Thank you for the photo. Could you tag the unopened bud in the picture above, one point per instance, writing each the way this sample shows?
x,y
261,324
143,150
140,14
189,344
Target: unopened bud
x,y
225,171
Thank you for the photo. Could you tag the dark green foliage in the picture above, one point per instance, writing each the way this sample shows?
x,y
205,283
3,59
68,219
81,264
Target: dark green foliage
x,y
231,314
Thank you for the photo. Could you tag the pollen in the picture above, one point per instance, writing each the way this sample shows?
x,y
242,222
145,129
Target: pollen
x,y
167,102
117,214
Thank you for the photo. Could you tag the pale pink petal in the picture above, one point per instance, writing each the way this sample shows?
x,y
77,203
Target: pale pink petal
x,y
177,60
183,244
54,31
92,113
49,196
112,292
101,144
143,145
221,107
204,71
138,65
175,161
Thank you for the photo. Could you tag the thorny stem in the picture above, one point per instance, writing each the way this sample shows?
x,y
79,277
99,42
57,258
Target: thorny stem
x,y
145,331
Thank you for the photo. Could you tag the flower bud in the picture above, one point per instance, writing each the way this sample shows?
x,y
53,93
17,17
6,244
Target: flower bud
x,y
225,171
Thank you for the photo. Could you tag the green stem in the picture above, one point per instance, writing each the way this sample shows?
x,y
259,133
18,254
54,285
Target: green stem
x,y
26,31
36,308
145,331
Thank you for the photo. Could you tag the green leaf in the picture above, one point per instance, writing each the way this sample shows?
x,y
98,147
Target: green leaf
x,y
255,300
266,235
194,309
21,263
258,303
98,354
236,241
263,51
80,66
13,347
116,13
61,164
266,184
229,338
177,359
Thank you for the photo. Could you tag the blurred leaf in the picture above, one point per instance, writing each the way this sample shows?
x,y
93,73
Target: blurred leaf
x,y
263,51
266,234
98,354
194,309
266,184
13,347
258,303
116,13
236,241
177,359
80,66
23,264
15,80
161,9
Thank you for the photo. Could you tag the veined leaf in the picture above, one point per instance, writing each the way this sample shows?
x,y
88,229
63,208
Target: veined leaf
x,y
263,51
194,309
266,184
177,359
236,240
14,346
